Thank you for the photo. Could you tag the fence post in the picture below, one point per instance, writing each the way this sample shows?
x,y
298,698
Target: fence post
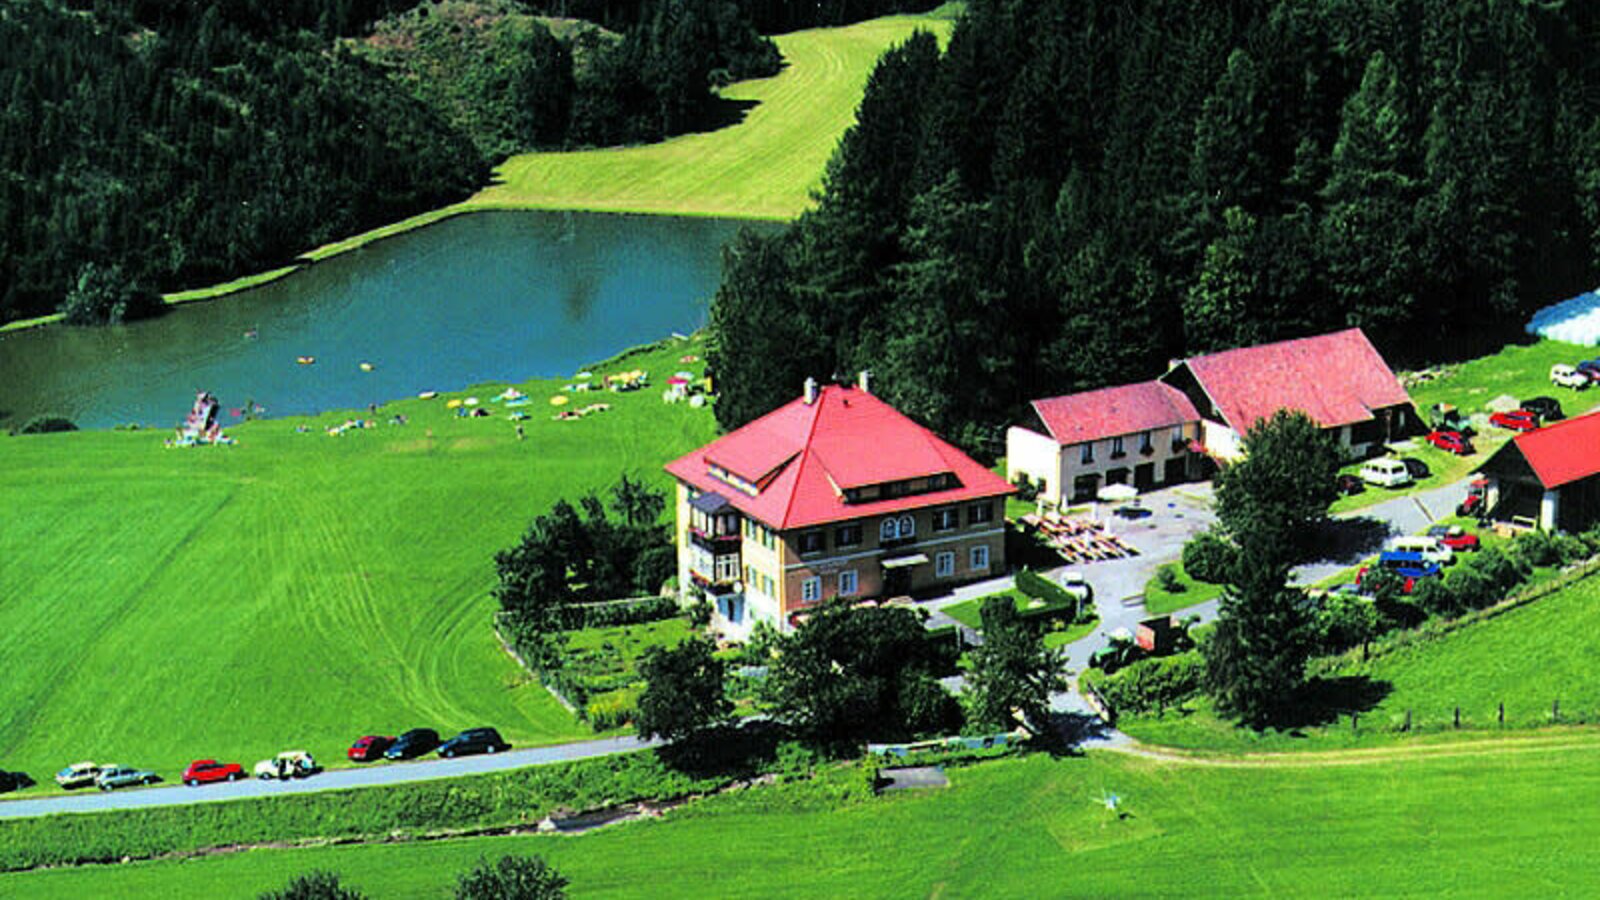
x,y
1555,709
1458,717
1354,719
1408,720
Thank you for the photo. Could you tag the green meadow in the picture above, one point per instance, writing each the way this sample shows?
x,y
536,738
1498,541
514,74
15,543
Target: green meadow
x,y
1509,818
159,605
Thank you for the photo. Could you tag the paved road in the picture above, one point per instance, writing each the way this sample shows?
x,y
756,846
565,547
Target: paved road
x,y
372,776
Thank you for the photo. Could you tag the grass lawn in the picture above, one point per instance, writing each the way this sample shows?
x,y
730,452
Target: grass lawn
x,y
1528,658
1027,827
295,590
606,660
967,611
1158,601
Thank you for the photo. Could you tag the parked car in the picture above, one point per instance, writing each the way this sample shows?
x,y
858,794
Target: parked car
x,y
1590,369
1348,485
1563,375
1451,442
368,748
413,743
1474,503
1416,467
77,775
14,781
1516,420
473,740
1425,546
206,771
1072,581
286,765
1455,537
1408,564
1386,472
123,776
1446,417
1548,409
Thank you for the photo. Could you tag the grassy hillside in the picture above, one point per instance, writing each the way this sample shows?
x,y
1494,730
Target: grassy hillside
x,y
161,605
1528,658
1028,828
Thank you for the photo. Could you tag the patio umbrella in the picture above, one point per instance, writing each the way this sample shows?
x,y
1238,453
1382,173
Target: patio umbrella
x,y
1117,493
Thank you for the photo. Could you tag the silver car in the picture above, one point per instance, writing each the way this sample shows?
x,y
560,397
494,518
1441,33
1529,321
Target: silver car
x,y
123,776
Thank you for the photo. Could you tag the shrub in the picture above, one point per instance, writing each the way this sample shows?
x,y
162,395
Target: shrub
x,y
1209,558
613,709
1027,489
1345,621
1167,580
314,886
1435,597
1153,684
102,295
47,425
511,878
1056,598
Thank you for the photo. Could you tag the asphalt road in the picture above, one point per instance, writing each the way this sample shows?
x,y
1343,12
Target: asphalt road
x,y
373,775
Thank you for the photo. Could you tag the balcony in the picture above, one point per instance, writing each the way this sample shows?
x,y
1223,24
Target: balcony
x,y
716,543
712,586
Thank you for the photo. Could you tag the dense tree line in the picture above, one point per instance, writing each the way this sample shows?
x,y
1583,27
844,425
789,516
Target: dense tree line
x,y
768,16
182,150
497,73
1076,192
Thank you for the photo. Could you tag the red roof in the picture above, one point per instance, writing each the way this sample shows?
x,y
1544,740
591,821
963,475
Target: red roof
x,y
802,456
1113,411
1563,452
1336,379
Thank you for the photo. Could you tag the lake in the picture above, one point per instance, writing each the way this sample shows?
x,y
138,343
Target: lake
x,y
480,297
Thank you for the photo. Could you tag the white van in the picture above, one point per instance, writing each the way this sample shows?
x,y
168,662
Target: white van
x,y
1428,547
1386,473
1563,375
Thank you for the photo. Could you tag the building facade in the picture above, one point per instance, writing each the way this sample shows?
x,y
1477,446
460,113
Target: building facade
x,y
833,495
1548,478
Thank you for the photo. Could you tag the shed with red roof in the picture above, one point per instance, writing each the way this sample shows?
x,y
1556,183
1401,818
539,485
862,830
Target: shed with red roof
x,y
1549,477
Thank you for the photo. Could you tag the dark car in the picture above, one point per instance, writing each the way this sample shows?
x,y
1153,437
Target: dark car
x,y
1591,368
1416,468
14,781
368,748
1548,409
413,743
473,740
1349,485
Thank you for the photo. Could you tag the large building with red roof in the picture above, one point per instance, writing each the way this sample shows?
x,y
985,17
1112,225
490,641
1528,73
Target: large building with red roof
x,y
835,494
1162,431
1548,477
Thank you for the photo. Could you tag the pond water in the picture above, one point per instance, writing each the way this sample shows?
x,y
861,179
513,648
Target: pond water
x,y
480,297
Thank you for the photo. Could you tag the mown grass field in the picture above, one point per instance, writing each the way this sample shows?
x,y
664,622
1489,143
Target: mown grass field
x,y
1528,658
296,590
1503,819
1158,600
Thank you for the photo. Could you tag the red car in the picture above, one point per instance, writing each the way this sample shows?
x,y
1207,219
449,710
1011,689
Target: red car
x,y
1455,537
1452,441
1516,420
205,771
369,748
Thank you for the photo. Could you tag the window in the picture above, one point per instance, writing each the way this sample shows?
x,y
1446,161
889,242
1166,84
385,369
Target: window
x,y
749,578
847,536
1177,437
908,526
944,564
1088,453
847,583
1116,448
768,587
812,541
980,559
811,589
1146,445
946,519
727,568
978,513
889,530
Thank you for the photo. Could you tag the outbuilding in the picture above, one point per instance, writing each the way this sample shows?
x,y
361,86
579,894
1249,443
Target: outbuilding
x,y
1548,477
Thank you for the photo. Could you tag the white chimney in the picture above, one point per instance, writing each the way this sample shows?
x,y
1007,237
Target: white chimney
x,y
811,391
864,381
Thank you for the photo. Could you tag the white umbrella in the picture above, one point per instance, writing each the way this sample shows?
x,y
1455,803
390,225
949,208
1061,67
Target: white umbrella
x,y
1117,493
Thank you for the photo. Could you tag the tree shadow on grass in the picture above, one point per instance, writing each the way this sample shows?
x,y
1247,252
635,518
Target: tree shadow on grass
x,y
745,750
721,113
1323,701
1347,541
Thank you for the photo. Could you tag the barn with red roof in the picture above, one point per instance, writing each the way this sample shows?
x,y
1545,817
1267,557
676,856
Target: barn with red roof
x,y
835,494
1168,430
1548,477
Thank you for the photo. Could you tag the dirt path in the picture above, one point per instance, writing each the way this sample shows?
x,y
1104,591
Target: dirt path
x,y
1561,741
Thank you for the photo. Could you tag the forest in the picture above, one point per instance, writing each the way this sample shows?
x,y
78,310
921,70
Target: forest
x,y
1075,193
176,143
